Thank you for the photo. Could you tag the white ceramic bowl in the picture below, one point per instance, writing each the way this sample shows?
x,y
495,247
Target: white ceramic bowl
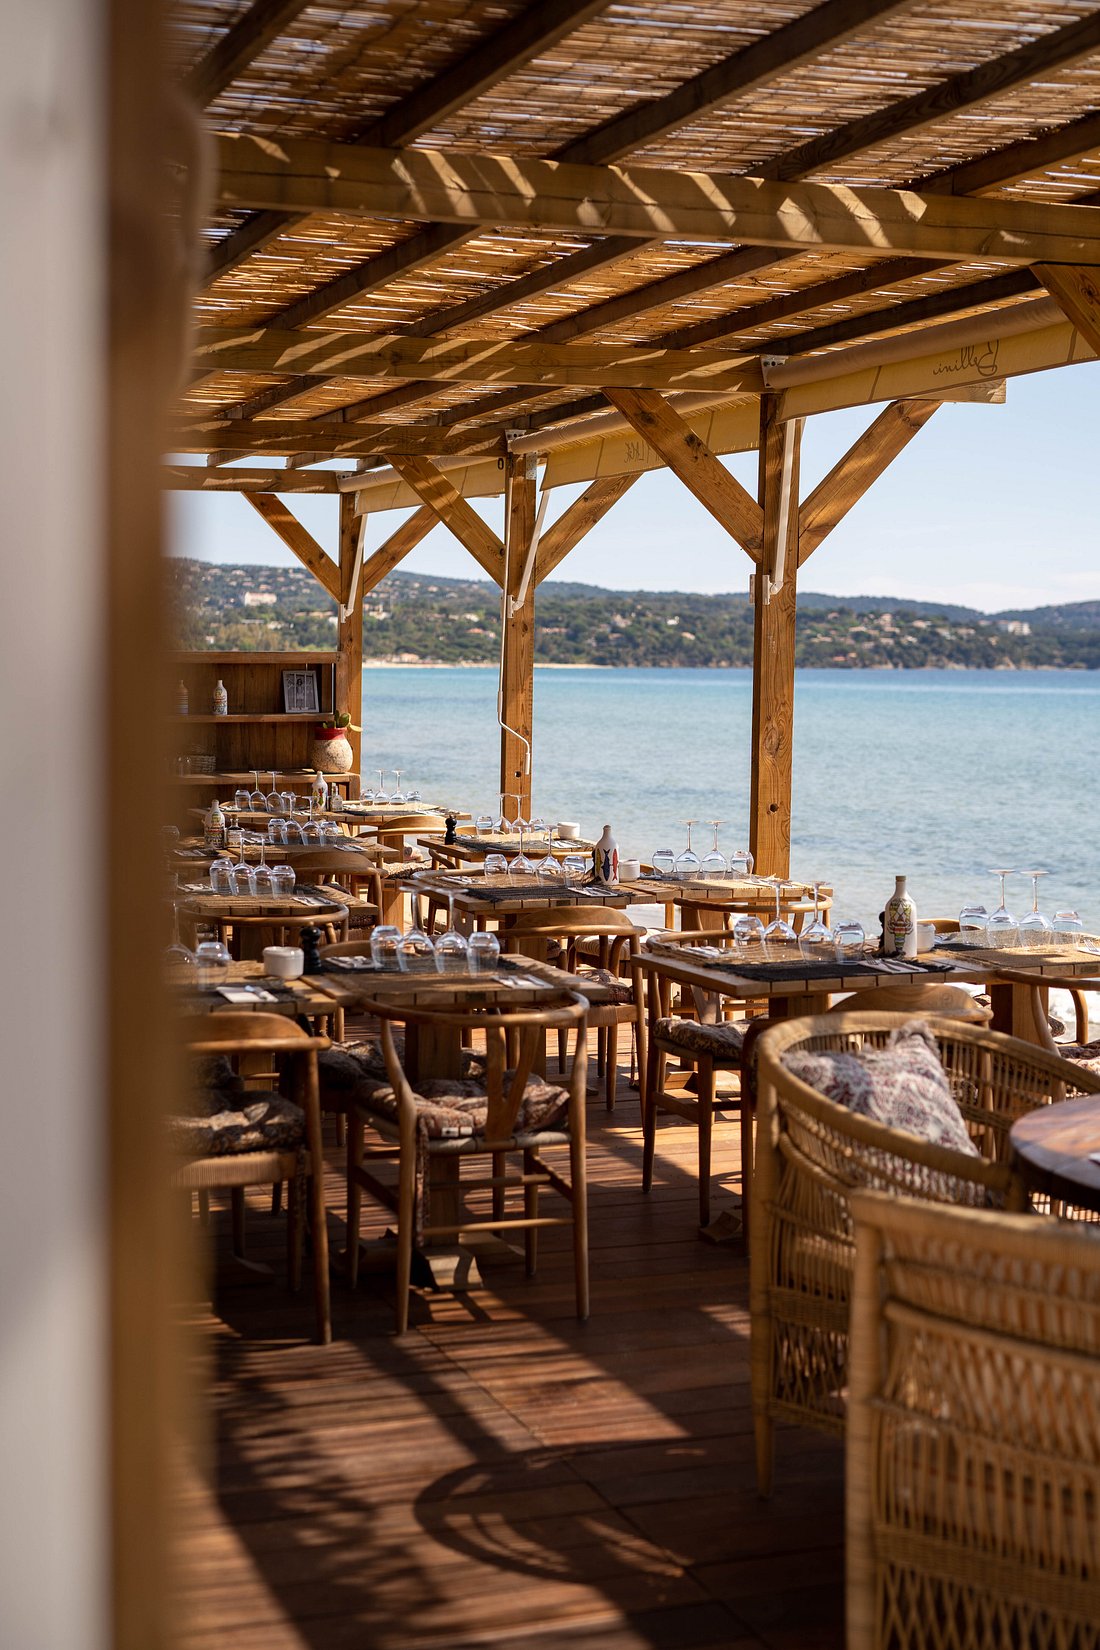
x,y
926,936
630,870
284,962
568,830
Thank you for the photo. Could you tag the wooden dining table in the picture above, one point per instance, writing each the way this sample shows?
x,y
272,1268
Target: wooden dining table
x,y
296,999
1055,1147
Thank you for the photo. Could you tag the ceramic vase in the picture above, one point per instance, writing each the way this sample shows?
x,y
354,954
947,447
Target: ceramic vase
x,y
899,927
331,752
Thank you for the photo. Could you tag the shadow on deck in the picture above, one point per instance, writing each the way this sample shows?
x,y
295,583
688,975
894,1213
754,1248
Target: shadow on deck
x,y
504,1476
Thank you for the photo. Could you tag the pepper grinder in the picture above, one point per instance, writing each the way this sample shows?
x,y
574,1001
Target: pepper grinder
x,y
449,835
311,957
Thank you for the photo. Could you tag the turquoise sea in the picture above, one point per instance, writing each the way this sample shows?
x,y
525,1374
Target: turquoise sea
x,y
938,774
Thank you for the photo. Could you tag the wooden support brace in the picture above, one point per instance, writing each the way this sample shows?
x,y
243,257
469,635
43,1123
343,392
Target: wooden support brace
x,y
396,547
447,503
861,466
517,671
773,646
298,540
692,460
581,516
349,634
1077,292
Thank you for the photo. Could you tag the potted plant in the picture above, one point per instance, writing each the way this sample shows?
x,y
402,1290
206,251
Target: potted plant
x,y
332,752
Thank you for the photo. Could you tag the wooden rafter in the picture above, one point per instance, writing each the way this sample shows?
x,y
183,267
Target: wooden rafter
x,y
298,540
328,437
457,186
447,503
400,542
254,30
575,522
859,468
192,478
389,355
1077,293
692,461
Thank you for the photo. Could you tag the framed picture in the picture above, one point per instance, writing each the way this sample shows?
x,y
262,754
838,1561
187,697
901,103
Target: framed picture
x,y
301,691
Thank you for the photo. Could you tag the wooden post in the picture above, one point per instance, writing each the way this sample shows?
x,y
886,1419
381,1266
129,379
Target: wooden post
x,y
773,645
517,672
349,634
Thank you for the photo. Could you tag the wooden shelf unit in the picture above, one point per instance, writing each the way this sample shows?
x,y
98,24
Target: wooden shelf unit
x,y
256,733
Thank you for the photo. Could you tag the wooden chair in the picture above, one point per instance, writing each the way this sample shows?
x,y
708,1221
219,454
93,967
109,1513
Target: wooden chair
x,y
430,1151
709,1044
1081,1050
922,1000
242,1037
612,940
247,936
811,1154
973,1454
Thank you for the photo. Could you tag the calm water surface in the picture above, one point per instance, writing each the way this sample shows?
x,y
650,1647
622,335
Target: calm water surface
x,y
938,774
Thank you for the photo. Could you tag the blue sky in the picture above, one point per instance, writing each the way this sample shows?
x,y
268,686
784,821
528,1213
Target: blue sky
x,y
990,506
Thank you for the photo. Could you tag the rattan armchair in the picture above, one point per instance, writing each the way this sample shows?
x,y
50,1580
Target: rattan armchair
x,y
811,1154
973,1449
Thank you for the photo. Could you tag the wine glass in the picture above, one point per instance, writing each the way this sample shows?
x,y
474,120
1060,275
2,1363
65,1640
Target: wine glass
x,y
714,863
384,941
972,924
397,794
548,869
779,936
504,821
849,939
257,800
416,953
483,952
263,884
1002,928
381,795
748,934
816,941
687,863
274,798
663,861
451,948
521,866
1034,929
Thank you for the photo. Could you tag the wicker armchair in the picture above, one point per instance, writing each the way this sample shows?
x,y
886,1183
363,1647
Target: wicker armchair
x,y
973,1454
812,1153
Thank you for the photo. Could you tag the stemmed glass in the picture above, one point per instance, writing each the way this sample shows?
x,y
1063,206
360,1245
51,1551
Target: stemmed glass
x,y
817,940
1034,928
257,801
687,863
451,948
503,823
274,796
663,861
521,866
714,863
416,953
381,795
779,935
398,794
1002,928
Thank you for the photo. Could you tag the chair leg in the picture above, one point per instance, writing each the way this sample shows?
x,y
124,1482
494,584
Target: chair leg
x,y
531,1212
355,1195
764,1434
204,1208
294,1208
341,1129
746,1164
406,1201
563,1050
612,1056
277,1198
236,1199
705,1096
655,1082
500,1168
578,1175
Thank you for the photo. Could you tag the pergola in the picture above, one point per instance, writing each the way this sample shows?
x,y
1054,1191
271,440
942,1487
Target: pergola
x,y
456,240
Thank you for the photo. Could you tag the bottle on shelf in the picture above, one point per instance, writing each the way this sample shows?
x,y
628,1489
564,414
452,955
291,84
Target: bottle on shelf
x,y
319,792
221,699
605,859
213,834
899,925
181,698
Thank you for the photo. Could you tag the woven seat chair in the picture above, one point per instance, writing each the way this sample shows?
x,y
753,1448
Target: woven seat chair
x,y
599,942
708,1045
811,1153
973,1452
244,1155
508,1112
1081,1051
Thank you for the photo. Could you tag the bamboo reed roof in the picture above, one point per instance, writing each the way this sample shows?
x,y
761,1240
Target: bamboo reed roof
x,y
987,99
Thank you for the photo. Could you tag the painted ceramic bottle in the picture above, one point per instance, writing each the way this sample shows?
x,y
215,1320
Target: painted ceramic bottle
x,y
605,859
319,792
899,927
213,834
181,698
221,699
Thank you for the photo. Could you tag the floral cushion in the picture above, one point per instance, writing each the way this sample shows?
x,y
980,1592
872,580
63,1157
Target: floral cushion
x,y
1082,1054
348,1071
622,991
721,1042
903,1086
260,1123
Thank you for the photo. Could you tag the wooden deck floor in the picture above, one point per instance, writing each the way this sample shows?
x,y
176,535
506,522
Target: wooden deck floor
x,y
504,1476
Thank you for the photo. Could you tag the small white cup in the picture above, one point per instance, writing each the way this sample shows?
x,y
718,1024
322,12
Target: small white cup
x,y
284,962
630,870
568,830
926,936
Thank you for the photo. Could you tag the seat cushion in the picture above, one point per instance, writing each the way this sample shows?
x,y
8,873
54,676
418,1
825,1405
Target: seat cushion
x,y
357,1071
260,1123
903,1086
1082,1054
722,1042
622,991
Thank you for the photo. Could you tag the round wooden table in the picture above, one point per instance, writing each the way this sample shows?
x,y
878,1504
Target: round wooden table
x,y
1053,1147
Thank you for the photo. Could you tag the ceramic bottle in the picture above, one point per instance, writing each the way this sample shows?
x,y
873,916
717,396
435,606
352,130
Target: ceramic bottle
x,y
899,926
605,859
221,699
213,835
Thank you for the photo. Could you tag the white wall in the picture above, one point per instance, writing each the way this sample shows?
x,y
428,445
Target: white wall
x,y
53,1525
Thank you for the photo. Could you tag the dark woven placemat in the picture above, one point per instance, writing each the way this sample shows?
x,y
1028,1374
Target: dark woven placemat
x,y
805,969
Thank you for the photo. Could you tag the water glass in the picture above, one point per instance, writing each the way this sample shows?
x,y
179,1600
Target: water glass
x,y
277,832
483,952
221,877
1068,928
496,865
748,933
972,924
282,881
849,940
483,825
663,861
573,868
384,941
211,963
241,800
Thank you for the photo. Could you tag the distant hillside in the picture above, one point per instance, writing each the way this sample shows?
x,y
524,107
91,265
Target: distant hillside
x,y
411,618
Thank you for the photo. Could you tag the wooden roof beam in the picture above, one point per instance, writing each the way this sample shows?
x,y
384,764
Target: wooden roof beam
x,y
193,478
255,29
448,505
689,458
858,470
298,540
327,439
574,523
1077,293
397,547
